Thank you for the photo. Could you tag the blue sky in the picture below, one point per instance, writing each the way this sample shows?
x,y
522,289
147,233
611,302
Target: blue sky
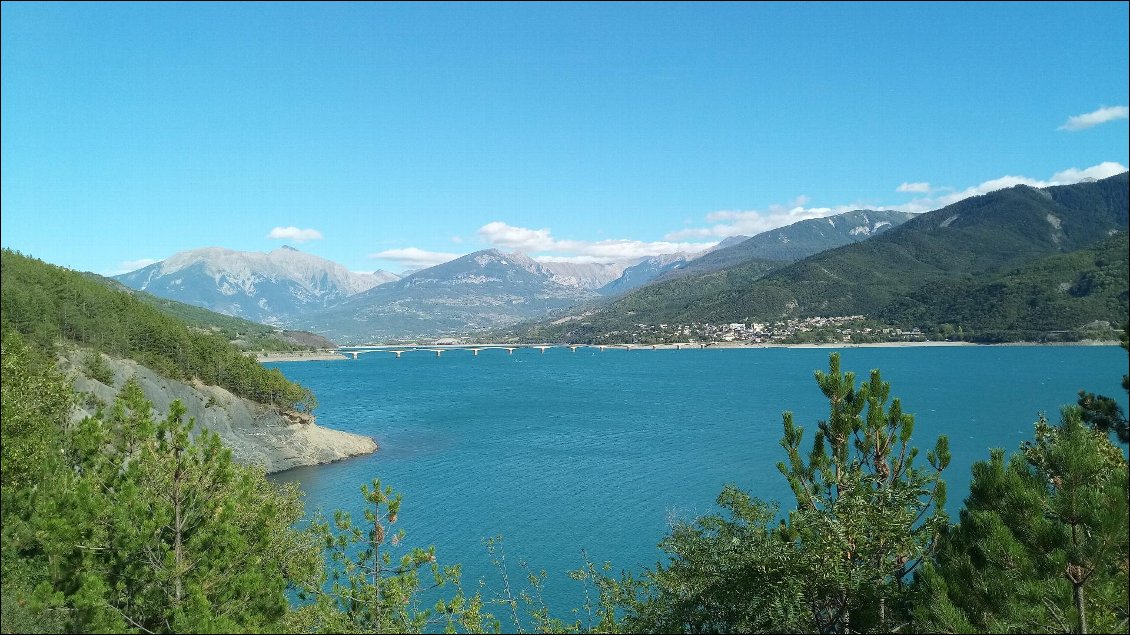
x,y
582,131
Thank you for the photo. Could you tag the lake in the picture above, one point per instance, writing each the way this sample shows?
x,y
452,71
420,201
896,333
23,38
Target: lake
x,y
565,453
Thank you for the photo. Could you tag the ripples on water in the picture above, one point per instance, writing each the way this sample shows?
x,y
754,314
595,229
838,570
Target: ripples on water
x,y
597,451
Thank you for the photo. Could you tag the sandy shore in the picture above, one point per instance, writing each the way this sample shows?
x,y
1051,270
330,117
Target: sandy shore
x,y
309,356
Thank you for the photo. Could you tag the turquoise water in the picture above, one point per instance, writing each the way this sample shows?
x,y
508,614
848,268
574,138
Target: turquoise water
x,y
563,453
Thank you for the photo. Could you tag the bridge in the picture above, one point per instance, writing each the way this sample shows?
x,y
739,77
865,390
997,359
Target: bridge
x,y
439,349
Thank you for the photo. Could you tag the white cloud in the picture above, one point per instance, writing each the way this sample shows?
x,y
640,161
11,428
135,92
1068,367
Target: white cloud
x,y
295,234
919,188
1091,119
499,234
752,222
1065,177
457,239
127,266
725,223
541,241
543,246
1100,171
414,257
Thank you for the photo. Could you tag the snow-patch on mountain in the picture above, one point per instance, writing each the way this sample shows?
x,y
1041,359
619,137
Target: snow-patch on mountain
x,y
265,287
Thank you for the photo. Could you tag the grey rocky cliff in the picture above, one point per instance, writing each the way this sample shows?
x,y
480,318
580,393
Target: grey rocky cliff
x,y
257,434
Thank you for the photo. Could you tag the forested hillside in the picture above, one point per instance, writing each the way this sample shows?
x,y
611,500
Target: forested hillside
x,y
47,304
247,335
1056,292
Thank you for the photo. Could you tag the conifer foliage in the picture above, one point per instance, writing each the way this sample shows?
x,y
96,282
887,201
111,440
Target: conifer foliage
x,y
1042,541
150,530
865,517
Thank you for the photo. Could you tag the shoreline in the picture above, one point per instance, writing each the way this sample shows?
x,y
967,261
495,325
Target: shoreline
x,y
902,344
298,356
310,356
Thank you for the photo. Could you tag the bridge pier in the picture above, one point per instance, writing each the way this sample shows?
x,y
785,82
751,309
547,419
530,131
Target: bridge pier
x,y
354,354
475,351
509,351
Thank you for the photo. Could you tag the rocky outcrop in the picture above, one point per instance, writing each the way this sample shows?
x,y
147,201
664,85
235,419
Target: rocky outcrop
x,y
257,434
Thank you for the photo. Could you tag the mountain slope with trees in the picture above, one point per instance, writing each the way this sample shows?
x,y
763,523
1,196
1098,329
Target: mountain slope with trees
x,y
979,238
247,335
48,304
1053,293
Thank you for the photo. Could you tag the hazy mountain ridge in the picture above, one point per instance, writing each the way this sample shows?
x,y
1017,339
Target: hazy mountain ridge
x,y
588,275
796,241
646,271
264,287
481,290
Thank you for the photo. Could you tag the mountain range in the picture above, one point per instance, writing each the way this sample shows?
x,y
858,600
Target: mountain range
x,y
907,274
264,287
795,242
482,290
903,269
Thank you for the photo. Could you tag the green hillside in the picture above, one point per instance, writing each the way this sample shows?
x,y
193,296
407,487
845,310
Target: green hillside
x,y
247,335
1053,293
977,238
47,304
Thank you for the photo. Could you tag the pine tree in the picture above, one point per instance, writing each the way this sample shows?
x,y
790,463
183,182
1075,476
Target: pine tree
x,y
1042,542
1102,412
154,530
37,401
865,515
368,593
865,518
